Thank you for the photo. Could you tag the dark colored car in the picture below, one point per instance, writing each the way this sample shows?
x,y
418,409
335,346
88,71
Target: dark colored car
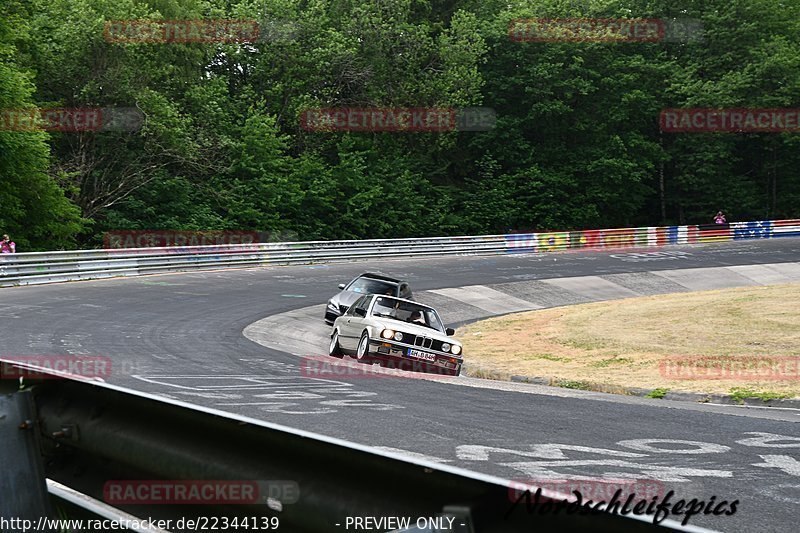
x,y
367,283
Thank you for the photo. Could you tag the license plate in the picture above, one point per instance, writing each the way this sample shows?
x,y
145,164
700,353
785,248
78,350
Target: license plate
x,y
425,356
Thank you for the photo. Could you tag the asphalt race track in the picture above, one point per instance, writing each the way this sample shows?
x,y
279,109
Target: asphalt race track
x,y
180,336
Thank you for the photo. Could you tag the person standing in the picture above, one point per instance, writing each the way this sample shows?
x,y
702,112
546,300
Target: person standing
x,y
720,218
7,246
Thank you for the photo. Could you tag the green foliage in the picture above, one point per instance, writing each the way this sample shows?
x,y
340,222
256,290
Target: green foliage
x,y
33,209
657,393
612,361
576,143
739,394
570,384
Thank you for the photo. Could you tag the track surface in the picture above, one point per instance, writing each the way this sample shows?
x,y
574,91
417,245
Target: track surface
x,y
181,336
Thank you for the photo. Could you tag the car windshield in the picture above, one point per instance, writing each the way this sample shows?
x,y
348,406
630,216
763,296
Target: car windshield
x,y
407,312
372,286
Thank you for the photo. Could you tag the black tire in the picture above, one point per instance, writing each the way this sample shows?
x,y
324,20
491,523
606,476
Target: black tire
x,y
362,352
334,350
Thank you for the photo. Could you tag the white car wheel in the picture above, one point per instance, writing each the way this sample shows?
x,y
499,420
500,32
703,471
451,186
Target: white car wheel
x,y
362,354
334,349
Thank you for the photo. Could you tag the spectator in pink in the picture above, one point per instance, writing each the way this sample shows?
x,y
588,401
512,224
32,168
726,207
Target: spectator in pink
x,y
7,246
720,218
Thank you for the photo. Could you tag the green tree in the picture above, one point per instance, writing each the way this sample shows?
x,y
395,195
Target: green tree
x,y
33,209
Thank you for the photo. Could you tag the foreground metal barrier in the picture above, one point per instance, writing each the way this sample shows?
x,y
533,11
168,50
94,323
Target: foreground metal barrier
x,y
52,267
101,440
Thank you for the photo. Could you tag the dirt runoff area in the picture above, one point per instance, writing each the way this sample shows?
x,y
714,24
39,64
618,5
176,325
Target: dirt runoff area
x,y
744,342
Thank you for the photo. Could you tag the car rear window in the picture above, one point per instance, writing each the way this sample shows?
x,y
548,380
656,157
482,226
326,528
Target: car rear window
x,y
372,286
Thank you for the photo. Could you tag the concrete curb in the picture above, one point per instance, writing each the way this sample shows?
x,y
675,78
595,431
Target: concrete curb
x,y
680,396
303,332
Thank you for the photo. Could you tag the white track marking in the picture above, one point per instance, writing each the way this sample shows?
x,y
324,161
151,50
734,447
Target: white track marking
x,y
646,445
412,455
767,440
778,493
541,451
537,469
785,463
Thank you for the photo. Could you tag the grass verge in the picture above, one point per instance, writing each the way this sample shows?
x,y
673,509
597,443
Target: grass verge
x,y
744,342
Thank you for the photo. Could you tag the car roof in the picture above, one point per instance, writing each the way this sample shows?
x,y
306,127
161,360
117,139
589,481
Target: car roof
x,y
402,300
379,276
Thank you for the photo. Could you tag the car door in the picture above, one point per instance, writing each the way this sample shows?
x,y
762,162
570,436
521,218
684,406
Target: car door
x,y
345,332
352,324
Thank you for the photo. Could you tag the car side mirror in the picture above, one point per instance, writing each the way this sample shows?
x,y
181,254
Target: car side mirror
x,y
341,285
360,312
450,332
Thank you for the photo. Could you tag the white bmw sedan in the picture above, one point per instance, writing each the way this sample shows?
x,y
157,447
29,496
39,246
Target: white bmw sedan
x,y
400,333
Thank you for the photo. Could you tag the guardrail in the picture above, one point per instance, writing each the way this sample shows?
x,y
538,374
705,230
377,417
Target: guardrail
x,y
97,437
51,267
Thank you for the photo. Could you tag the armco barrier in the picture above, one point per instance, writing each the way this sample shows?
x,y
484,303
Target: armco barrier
x,y
50,267
101,440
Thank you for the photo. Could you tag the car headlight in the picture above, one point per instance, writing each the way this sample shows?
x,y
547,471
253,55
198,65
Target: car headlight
x,y
387,334
456,349
398,336
445,347
332,306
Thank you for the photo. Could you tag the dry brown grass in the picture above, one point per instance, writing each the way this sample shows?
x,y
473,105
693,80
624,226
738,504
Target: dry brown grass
x,y
621,343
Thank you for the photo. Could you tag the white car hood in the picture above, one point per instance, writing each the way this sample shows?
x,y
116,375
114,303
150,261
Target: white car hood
x,y
414,329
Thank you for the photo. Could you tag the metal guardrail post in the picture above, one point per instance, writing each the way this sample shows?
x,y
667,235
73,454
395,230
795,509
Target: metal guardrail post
x,y
23,493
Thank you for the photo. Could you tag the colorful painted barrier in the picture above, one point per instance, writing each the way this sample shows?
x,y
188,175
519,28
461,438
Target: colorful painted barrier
x,y
598,239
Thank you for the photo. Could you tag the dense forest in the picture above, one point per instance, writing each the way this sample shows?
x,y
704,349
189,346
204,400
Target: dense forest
x,y
576,142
